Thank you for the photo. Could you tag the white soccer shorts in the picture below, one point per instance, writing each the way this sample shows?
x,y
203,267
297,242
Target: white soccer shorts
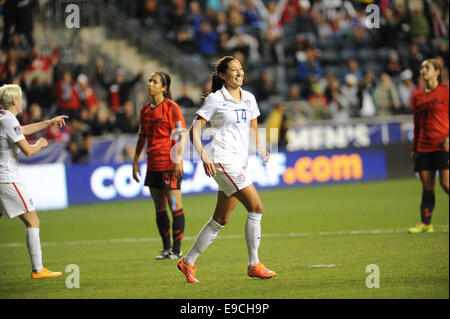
x,y
14,200
231,178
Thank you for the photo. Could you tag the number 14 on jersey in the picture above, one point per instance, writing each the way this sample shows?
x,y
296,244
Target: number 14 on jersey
x,y
243,115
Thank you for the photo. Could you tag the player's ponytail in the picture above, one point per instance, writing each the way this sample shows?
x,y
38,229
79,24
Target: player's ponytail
x,y
221,67
165,81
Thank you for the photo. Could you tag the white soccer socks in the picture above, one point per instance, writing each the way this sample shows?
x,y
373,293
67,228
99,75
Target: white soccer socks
x,y
253,236
34,249
205,238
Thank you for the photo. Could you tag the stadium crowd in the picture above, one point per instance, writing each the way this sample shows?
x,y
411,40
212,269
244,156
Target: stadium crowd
x,y
317,58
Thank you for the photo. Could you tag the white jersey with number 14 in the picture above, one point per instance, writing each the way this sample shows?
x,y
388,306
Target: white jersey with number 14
x,y
230,121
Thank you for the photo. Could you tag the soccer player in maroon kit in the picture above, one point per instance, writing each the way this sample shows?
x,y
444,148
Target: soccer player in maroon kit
x,y
430,145
163,128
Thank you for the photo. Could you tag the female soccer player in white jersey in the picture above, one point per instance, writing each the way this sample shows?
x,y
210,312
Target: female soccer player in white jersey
x,y
14,199
233,114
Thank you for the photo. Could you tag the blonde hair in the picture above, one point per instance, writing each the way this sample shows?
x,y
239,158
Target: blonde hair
x,y
8,93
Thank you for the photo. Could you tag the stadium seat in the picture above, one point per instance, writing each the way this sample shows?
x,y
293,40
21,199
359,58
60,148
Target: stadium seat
x,y
347,54
327,43
383,54
366,54
330,56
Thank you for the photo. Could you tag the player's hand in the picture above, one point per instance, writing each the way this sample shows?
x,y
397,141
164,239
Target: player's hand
x,y
59,121
444,144
210,170
136,173
265,156
413,156
176,170
43,142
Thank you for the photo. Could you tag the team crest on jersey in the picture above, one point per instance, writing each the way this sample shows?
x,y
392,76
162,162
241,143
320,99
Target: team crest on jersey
x,y
18,130
241,177
248,103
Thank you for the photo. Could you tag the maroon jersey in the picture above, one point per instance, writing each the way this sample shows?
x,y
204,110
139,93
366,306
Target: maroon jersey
x,y
430,119
157,125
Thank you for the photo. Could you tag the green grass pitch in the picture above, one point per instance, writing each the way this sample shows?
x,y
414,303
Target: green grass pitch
x,y
318,239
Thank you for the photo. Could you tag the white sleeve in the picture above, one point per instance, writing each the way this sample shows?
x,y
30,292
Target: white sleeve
x,y
255,108
14,131
208,108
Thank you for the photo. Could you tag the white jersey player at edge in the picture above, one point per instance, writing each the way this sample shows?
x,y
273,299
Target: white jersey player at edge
x,y
233,114
14,199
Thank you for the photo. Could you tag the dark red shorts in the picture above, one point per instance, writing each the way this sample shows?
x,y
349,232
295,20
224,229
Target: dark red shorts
x,y
163,180
430,161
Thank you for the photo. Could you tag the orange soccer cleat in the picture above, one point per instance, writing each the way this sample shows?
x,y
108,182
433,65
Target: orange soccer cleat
x,y
188,270
260,271
45,273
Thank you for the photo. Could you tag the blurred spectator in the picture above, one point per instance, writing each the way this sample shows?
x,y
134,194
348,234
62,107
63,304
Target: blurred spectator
x,y
309,71
66,94
304,20
338,110
86,93
418,27
389,28
104,122
118,89
273,51
9,10
251,15
177,18
318,101
393,66
184,100
349,95
294,93
185,42
127,121
405,88
24,20
277,119
33,114
18,46
80,141
245,43
40,65
415,59
265,88
221,23
291,11
366,95
386,97
207,40
42,94
353,68
442,51
152,17
439,29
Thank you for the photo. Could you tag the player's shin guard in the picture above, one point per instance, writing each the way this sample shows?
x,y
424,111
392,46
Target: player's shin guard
x,y
163,223
34,249
427,206
177,230
205,238
253,236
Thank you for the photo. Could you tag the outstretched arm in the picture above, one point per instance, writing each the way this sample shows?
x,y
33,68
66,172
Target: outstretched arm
x,y
39,126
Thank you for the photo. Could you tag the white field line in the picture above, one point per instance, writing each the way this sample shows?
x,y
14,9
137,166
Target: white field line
x,y
440,228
